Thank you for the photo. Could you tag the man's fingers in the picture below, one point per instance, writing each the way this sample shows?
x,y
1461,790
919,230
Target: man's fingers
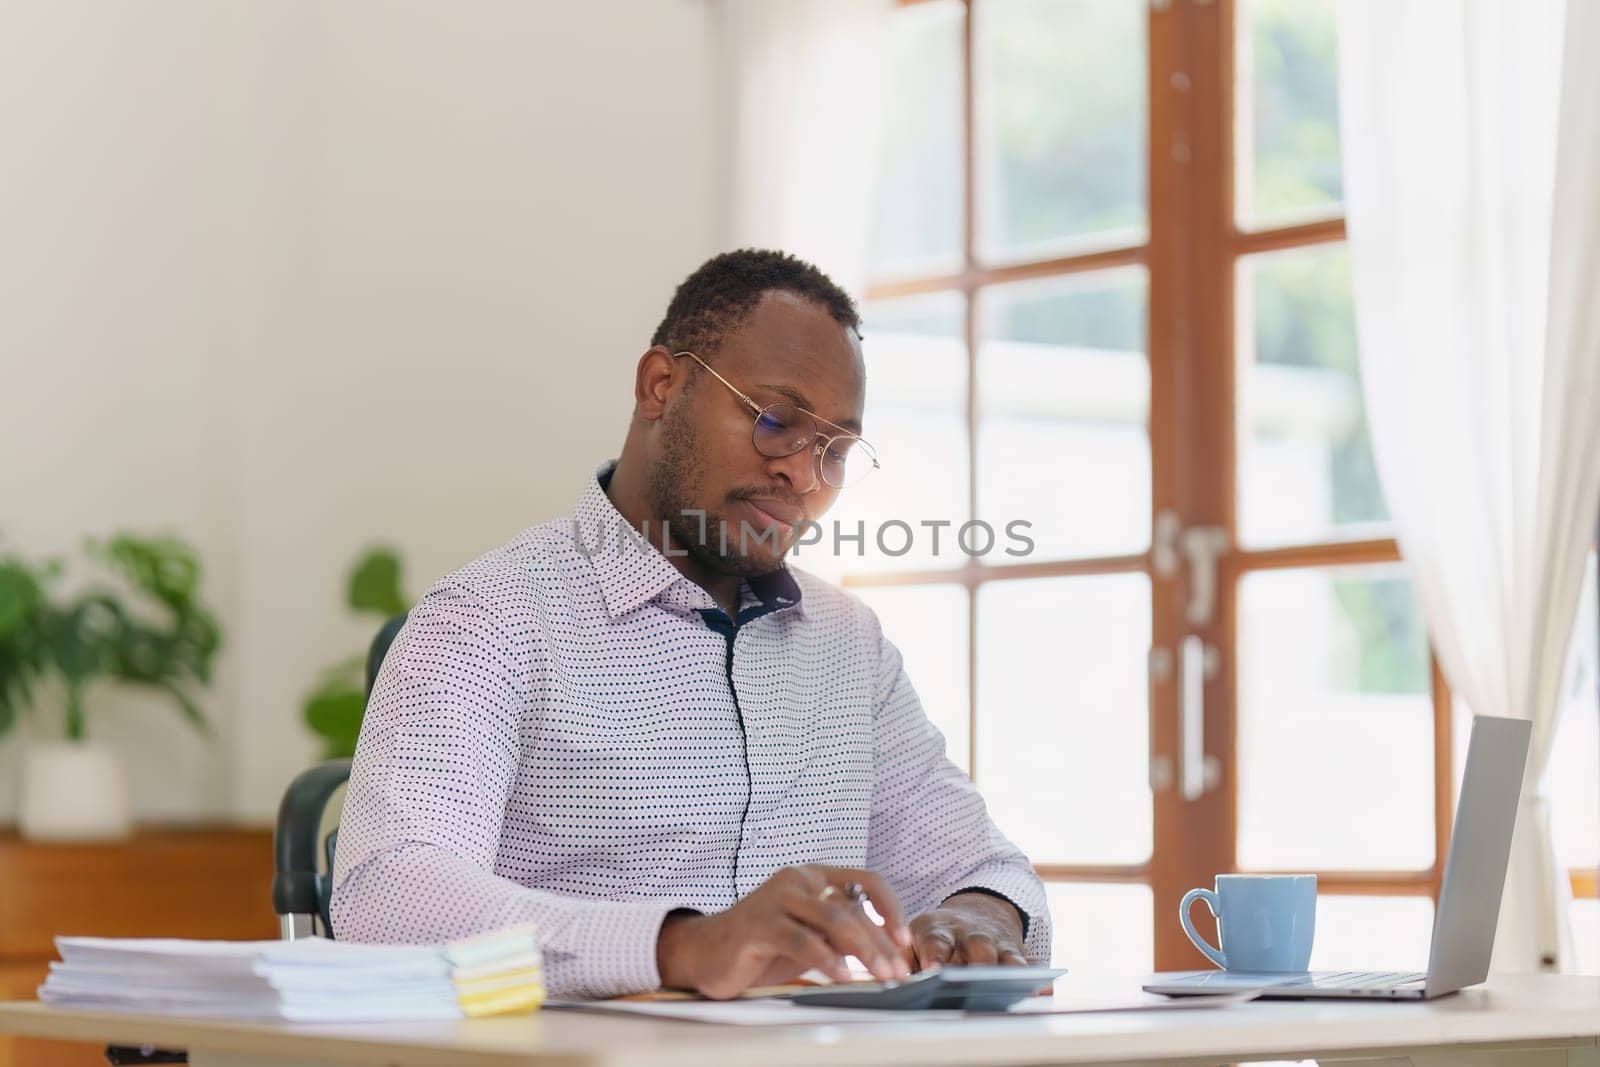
x,y
934,949
885,903
820,899
979,948
818,877
1012,958
800,943
846,928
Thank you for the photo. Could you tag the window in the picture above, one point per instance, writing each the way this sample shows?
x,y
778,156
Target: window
x,y
1110,297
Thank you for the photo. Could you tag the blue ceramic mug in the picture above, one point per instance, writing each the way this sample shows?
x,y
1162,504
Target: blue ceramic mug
x,y
1265,922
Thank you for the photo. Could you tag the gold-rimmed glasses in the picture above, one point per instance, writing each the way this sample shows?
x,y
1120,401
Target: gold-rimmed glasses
x,y
783,429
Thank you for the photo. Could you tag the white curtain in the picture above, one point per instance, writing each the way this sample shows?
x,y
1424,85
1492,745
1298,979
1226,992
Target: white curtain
x,y
1472,182
802,92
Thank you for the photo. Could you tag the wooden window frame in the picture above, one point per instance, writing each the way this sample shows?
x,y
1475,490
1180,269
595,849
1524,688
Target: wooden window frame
x,y
1192,251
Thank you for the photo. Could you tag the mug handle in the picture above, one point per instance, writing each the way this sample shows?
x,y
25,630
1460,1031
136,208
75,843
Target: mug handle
x,y
1214,906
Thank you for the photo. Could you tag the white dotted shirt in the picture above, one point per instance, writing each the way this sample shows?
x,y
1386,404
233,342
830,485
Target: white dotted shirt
x,y
569,731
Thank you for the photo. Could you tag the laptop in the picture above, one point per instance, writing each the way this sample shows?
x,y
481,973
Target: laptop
x,y
1469,899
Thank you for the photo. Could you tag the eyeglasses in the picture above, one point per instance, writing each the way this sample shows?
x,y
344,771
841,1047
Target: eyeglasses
x,y
782,430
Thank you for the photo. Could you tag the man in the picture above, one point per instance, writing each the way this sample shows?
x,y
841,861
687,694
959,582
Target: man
x,y
688,763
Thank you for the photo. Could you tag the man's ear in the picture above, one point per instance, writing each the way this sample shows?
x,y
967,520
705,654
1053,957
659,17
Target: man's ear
x,y
653,383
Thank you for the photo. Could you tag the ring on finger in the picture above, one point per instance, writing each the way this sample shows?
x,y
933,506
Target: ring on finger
x,y
852,891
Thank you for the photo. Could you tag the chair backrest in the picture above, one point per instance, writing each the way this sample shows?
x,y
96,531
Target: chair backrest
x,y
300,890
380,648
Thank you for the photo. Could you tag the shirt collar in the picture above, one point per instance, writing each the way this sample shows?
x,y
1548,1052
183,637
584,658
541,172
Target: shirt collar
x,y
632,571
776,591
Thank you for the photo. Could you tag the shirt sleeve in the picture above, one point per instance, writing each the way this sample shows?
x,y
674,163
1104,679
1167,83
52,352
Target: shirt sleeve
x,y
434,767
931,835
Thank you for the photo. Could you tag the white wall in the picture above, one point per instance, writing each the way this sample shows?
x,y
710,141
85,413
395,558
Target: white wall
x,y
287,278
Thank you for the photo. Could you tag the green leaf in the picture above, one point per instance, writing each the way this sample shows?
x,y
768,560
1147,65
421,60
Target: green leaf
x,y
95,635
19,597
26,633
189,708
335,715
84,638
375,583
199,637
164,567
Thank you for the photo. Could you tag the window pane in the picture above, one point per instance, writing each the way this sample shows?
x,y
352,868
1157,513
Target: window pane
x,y
1063,722
1306,459
916,419
1287,121
1060,96
1335,722
917,219
928,623
1101,929
1064,399
1372,933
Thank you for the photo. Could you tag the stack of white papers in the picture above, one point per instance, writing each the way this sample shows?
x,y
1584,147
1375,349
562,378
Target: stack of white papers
x,y
310,980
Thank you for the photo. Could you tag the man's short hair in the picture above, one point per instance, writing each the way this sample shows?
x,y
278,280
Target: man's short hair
x,y
721,294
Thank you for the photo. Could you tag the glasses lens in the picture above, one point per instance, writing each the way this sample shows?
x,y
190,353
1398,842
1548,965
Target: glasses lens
x,y
782,430
846,461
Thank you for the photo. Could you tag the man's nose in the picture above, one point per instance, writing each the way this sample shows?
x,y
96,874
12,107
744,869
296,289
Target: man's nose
x,y
800,470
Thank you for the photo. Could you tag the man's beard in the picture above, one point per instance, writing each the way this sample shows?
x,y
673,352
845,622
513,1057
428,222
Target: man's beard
x,y
709,542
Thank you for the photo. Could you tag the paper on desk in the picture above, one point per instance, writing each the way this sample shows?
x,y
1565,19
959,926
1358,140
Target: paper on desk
x,y
748,1012
789,1013
310,979
1076,1004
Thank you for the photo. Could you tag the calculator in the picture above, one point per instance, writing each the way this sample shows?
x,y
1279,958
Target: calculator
x,y
974,988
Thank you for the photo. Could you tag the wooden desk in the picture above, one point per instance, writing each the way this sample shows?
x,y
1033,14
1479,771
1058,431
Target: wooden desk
x,y
1540,1021
161,883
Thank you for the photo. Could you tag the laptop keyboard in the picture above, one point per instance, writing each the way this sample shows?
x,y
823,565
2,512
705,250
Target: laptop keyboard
x,y
1357,980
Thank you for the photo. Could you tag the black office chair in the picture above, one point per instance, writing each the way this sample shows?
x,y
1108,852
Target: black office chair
x,y
300,891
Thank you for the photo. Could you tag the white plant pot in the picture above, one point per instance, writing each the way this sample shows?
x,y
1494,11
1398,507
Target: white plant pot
x,y
72,791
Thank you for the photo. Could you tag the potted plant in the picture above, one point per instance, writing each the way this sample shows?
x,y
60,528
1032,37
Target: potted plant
x,y
335,706
147,628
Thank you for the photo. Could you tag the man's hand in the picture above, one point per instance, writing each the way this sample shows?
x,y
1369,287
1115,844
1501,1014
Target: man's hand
x,y
968,928
800,918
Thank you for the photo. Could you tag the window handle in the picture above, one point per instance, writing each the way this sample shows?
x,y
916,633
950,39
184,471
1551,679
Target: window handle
x,y
1173,546
1202,545
1198,773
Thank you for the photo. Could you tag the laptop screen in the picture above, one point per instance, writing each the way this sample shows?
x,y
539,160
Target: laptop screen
x,y
1480,848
